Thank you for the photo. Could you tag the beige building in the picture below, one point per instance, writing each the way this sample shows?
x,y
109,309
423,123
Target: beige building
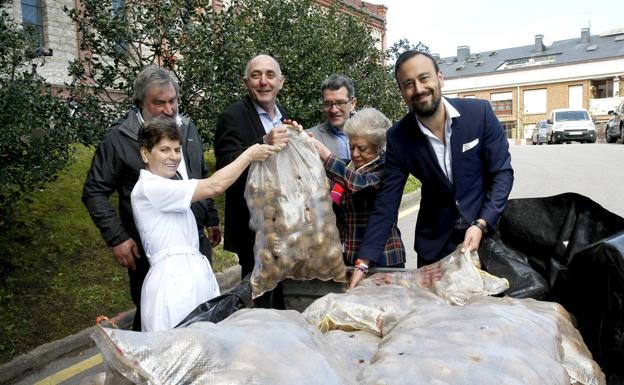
x,y
58,35
525,83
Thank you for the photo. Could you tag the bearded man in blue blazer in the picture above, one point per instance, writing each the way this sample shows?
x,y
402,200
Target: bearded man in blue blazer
x,y
459,152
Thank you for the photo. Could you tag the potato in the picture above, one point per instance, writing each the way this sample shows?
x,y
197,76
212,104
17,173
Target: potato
x,y
269,212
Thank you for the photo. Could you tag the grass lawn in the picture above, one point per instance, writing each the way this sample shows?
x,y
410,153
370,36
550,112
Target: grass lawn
x,y
56,273
412,185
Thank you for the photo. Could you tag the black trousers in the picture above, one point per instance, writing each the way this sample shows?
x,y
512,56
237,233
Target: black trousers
x,y
136,283
456,237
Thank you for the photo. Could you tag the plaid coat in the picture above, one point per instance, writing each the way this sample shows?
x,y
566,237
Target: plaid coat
x,y
358,200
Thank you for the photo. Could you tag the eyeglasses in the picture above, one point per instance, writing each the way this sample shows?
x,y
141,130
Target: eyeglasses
x,y
338,103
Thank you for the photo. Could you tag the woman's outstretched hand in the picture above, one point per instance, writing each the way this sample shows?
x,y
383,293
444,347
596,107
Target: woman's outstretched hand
x,y
260,152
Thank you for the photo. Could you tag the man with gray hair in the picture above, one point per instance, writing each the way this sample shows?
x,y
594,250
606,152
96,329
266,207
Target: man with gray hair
x,y
338,104
115,168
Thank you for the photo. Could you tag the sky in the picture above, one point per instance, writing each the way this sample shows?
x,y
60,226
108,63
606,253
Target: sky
x,y
485,25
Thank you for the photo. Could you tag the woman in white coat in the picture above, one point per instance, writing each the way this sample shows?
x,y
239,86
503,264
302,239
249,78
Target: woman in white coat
x,y
179,278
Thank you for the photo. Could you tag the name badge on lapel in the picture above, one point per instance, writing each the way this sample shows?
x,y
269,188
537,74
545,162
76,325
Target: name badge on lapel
x,y
470,145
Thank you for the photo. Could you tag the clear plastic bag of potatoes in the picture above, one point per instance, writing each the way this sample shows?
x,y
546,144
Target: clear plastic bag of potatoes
x,y
291,213
456,278
373,309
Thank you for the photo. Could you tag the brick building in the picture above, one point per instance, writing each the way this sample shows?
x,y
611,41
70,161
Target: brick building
x,y
59,37
525,83
374,14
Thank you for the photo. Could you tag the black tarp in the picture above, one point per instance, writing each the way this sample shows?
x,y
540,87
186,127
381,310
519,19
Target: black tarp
x,y
221,307
568,249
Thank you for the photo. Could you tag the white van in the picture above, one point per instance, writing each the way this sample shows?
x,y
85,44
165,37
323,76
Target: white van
x,y
571,124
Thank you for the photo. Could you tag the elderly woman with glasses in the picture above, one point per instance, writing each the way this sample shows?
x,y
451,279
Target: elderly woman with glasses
x,y
355,185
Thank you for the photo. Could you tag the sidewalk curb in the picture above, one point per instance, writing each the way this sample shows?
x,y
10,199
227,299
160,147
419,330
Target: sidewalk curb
x,y
46,353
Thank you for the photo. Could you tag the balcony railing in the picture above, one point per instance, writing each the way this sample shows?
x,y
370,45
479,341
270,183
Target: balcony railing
x,y
602,106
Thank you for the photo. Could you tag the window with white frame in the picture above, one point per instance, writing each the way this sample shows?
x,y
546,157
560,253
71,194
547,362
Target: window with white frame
x,y
575,96
535,101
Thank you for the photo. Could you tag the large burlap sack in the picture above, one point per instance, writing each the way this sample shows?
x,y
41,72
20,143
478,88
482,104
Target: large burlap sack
x,y
483,343
577,359
291,213
252,346
358,346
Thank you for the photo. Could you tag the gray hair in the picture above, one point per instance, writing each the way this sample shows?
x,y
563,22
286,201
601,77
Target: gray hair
x,y
369,123
336,81
151,76
279,69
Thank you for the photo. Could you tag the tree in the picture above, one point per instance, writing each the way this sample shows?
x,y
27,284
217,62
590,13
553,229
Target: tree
x,y
208,51
35,137
404,45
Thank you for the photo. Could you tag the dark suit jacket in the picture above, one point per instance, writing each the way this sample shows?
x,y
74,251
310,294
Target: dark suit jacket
x,y
482,179
238,128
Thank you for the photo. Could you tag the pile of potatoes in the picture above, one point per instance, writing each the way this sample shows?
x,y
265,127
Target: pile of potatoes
x,y
291,214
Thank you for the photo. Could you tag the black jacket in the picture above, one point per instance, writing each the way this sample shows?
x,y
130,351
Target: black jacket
x,y
238,128
115,168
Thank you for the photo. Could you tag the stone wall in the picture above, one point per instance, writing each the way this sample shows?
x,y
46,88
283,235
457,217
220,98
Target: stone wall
x,y
59,35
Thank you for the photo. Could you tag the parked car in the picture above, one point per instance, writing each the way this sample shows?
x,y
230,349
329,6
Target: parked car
x,y
615,125
571,124
541,132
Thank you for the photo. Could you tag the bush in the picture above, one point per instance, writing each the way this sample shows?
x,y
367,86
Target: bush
x,y
35,135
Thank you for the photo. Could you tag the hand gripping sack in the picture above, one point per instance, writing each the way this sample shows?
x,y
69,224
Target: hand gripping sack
x,y
291,213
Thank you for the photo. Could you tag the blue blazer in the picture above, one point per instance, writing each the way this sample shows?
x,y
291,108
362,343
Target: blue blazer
x,y
482,179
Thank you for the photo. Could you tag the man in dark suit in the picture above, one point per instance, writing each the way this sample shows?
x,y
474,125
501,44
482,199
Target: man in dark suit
x,y
257,118
459,152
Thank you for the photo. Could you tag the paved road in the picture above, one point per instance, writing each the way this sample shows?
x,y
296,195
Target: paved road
x,y
594,170
69,370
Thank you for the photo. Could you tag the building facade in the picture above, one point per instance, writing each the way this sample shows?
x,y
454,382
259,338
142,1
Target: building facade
x,y
524,84
374,15
58,35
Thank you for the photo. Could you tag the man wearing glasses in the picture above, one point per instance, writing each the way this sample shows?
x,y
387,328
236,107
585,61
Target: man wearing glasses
x,y
338,104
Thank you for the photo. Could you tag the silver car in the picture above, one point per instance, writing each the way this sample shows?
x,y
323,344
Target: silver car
x,y
541,132
615,126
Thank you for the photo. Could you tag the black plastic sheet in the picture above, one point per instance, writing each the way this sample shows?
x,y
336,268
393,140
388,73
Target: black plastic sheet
x,y
221,307
568,249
